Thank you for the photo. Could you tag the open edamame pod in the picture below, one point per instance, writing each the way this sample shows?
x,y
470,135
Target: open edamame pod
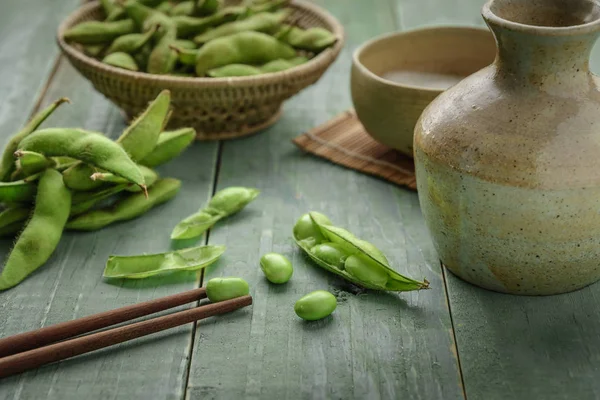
x,y
128,208
42,233
356,260
7,163
144,266
90,147
224,203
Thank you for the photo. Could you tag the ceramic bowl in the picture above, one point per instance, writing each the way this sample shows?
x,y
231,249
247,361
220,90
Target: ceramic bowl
x,y
395,76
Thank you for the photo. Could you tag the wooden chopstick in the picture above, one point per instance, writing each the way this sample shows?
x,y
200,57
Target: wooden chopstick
x,y
20,362
50,334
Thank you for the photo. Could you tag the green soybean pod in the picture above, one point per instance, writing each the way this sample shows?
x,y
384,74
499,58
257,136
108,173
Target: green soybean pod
x,y
144,266
84,201
90,147
312,39
117,14
165,7
188,26
42,233
131,43
205,7
241,48
315,305
282,65
183,8
17,192
185,44
170,144
276,267
261,22
94,50
163,57
150,177
7,163
12,220
232,70
98,32
268,6
30,163
221,289
307,233
108,6
121,60
141,137
128,208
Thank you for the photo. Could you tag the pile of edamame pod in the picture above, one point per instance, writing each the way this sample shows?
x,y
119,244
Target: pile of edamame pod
x,y
58,179
199,37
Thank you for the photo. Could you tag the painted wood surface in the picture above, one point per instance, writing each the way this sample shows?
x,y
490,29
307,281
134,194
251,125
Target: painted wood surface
x,y
376,345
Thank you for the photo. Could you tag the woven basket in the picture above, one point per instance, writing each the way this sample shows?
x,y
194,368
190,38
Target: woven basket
x,y
218,108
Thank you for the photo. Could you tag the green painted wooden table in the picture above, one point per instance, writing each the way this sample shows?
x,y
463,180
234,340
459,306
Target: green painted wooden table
x,y
454,341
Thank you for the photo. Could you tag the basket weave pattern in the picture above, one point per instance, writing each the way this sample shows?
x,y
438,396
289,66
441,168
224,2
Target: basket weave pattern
x,y
218,108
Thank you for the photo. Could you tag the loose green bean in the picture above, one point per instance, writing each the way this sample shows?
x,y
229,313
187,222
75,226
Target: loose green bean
x,y
144,266
90,147
121,60
315,305
358,261
261,22
276,267
98,32
221,289
42,233
7,163
241,48
224,203
128,208
169,145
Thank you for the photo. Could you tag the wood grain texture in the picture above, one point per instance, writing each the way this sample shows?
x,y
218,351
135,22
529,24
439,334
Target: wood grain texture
x,y
70,285
376,345
515,347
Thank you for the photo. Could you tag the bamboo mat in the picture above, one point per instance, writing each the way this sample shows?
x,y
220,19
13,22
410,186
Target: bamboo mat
x,y
344,141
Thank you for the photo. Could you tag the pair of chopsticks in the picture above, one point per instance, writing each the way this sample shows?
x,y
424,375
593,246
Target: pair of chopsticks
x,y
32,349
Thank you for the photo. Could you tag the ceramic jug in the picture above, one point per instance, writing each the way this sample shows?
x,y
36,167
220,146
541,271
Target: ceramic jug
x,y
508,160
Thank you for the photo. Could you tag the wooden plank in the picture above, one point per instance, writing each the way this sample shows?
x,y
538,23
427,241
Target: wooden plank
x,y
70,284
515,347
27,54
376,345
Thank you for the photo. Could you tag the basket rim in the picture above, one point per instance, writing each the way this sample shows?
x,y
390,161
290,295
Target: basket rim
x,y
319,62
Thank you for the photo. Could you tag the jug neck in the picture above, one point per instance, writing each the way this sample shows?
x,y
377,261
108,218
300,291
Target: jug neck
x,y
544,43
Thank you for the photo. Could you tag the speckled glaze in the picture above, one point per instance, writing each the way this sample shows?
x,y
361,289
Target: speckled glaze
x,y
508,160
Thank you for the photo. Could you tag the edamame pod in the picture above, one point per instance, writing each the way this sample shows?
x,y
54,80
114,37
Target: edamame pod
x,y
188,26
12,220
22,191
121,60
183,8
128,208
84,201
205,7
221,289
94,50
170,145
144,266
150,177
282,65
7,163
30,163
276,267
97,32
141,137
224,203
312,39
90,147
165,7
315,305
163,57
241,48
42,233
268,6
363,264
261,22
108,6
131,43
232,70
